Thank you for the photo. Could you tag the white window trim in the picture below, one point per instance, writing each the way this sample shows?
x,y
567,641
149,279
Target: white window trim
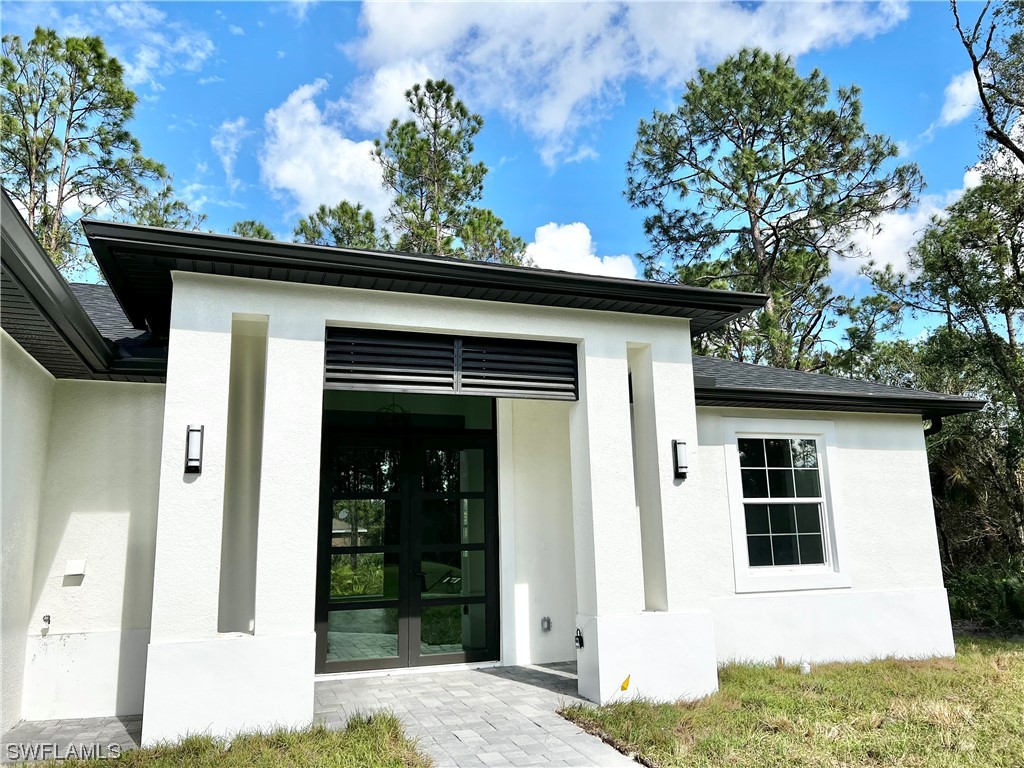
x,y
835,572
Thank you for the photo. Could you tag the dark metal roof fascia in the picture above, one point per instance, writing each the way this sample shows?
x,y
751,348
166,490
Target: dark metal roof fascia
x,y
766,398
26,262
103,236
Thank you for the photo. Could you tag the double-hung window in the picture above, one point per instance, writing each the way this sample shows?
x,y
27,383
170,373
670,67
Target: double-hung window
x,y
784,522
782,500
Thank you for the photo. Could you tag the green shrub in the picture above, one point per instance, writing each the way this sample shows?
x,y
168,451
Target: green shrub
x,y
363,577
992,595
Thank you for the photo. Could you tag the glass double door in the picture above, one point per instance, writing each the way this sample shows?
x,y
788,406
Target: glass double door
x,y
408,551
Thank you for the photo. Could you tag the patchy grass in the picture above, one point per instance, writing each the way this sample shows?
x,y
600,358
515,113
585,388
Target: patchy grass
x,y
967,711
377,741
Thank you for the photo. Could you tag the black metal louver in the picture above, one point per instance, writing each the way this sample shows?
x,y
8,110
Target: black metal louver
x,y
386,361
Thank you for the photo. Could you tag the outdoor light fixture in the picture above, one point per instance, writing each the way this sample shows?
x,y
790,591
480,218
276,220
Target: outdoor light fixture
x,y
679,459
194,449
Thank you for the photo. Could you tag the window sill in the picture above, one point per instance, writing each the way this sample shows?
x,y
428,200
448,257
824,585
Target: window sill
x,y
789,579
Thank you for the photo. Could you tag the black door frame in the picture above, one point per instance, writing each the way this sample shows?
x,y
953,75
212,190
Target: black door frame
x,y
410,604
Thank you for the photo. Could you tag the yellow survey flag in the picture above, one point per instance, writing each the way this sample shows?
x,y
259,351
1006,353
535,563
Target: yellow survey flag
x,y
625,683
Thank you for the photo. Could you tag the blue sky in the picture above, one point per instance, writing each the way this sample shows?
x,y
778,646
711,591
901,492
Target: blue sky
x,y
266,109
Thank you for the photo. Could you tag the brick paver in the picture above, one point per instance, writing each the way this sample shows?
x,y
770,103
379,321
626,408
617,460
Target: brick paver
x,y
88,737
500,716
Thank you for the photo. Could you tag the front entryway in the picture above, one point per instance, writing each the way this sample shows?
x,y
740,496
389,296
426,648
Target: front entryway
x,y
408,542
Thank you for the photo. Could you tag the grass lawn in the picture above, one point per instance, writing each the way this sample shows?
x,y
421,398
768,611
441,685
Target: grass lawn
x,y
967,711
376,741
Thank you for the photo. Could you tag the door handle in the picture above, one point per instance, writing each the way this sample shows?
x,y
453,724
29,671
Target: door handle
x,y
421,574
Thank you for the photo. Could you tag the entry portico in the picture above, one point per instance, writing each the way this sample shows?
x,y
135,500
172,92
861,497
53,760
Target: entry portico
x,y
567,528
246,465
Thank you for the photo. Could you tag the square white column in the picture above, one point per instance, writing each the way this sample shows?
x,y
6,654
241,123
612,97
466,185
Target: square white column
x,y
186,577
199,681
286,548
606,526
628,651
609,578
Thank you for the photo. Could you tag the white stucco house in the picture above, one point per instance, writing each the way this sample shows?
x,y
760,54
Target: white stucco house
x,y
242,464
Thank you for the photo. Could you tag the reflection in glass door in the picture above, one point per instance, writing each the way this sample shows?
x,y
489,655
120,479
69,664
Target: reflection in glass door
x,y
408,555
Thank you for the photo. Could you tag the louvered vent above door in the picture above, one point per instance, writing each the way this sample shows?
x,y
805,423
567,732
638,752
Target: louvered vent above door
x,y
391,362
386,361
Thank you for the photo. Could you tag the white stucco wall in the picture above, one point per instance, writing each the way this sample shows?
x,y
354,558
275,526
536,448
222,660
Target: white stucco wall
x,y
26,398
544,582
895,602
98,504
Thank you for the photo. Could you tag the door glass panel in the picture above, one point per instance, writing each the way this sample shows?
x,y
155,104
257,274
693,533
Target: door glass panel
x,y
421,504
366,576
453,629
454,470
452,573
453,521
365,522
366,633
364,471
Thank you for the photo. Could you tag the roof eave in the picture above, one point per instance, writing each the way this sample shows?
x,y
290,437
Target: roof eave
x,y
26,262
103,236
928,407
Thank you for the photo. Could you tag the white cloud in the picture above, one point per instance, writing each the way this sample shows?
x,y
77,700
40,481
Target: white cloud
x,y
148,43
299,8
379,98
196,195
234,29
570,247
584,152
226,142
899,232
210,79
163,45
307,156
556,68
961,99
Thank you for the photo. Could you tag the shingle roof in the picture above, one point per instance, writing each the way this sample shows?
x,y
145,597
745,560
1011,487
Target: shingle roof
x,y
725,382
105,312
47,317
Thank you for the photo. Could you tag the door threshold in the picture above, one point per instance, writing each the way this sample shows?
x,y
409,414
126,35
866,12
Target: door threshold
x,y
328,676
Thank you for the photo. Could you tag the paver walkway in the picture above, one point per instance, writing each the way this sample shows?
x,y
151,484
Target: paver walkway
x,y
88,737
500,716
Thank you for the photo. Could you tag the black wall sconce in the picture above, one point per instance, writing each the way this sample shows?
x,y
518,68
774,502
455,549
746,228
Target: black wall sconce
x,y
194,449
679,459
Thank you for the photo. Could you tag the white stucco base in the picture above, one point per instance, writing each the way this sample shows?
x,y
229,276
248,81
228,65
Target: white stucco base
x,y
833,626
84,674
228,685
666,656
